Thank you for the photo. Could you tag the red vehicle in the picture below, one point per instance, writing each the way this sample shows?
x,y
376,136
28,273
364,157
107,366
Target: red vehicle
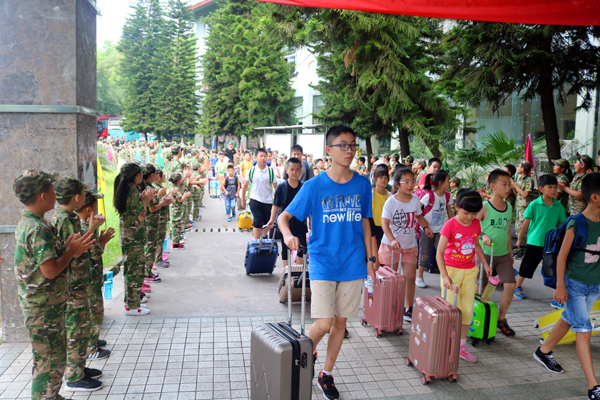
x,y
102,126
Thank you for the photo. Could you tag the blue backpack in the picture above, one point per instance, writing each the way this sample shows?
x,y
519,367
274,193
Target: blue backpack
x,y
553,241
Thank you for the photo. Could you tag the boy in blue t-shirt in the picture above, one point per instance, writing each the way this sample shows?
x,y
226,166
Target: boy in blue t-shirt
x,y
213,161
578,285
339,204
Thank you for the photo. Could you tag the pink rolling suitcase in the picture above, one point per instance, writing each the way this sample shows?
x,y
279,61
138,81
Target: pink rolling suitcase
x,y
386,313
435,338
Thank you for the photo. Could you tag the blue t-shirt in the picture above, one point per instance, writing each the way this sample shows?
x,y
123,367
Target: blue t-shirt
x,y
213,161
336,245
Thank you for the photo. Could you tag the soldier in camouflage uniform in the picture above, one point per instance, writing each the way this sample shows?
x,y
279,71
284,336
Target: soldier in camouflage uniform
x,y
361,168
576,201
197,183
163,219
43,291
560,168
96,274
419,167
202,173
131,206
70,196
175,164
454,188
522,188
152,213
178,221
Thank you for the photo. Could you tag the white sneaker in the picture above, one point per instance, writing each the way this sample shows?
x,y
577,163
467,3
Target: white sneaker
x,y
144,300
143,306
136,312
420,283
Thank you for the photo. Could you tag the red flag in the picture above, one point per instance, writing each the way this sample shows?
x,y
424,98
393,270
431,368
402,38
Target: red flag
x,y
182,139
529,156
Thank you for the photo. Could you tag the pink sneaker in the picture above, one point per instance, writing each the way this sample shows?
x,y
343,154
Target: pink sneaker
x,y
145,285
152,278
465,354
165,256
146,289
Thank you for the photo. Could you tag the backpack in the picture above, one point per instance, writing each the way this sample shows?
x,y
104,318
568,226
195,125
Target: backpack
x,y
553,242
426,209
251,174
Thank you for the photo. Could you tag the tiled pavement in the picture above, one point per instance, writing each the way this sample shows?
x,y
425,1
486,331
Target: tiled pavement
x,y
206,358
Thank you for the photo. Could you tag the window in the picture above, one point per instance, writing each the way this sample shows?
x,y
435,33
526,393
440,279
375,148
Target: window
x,y
291,60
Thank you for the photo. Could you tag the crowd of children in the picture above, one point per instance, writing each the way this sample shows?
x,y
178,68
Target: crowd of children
x,y
421,220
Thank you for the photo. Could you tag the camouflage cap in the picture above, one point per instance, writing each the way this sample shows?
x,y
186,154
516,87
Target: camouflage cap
x,y
410,159
195,151
175,149
562,162
194,165
587,160
90,197
130,169
148,169
31,181
67,187
175,177
423,163
456,180
184,163
169,156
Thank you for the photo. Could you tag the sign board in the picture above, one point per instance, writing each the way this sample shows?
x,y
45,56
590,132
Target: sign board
x,y
312,144
282,142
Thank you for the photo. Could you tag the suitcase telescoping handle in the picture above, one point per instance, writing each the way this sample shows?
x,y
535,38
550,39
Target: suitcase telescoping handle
x,y
398,299
303,277
455,290
481,269
261,238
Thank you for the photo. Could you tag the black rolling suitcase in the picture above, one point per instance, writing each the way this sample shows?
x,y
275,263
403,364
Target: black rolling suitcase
x,y
282,358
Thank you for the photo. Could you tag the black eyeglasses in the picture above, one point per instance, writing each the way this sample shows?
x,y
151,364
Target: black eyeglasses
x,y
346,146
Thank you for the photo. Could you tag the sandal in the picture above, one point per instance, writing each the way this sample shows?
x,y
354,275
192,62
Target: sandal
x,y
504,328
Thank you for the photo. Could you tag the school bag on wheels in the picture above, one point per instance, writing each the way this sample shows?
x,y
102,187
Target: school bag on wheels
x,y
545,324
434,344
386,312
214,187
297,276
261,256
282,358
245,220
485,314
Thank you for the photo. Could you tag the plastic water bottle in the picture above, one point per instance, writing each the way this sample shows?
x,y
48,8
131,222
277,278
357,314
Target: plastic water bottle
x,y
109,276
369,285
108,290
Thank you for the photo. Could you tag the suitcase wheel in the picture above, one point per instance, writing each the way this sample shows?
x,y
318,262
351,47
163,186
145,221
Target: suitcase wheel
x,y
408,362
362,321
378,333
452,379
475,342
398,332
424,380
490,341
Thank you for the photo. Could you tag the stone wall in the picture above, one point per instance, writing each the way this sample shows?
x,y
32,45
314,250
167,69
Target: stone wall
x,y
47,58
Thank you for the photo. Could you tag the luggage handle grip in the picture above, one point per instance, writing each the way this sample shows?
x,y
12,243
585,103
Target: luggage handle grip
x,y
261,238
455,290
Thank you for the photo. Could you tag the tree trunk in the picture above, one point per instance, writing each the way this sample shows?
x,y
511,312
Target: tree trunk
x,y
433,147
549,115
403,135
369,152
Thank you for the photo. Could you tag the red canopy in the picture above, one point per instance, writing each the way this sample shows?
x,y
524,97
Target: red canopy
x,y
547,12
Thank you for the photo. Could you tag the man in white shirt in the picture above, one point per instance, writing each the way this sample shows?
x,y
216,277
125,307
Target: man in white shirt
x,y
262,183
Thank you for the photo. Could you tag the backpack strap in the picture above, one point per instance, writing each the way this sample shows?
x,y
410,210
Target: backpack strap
x,y
431,202
580,233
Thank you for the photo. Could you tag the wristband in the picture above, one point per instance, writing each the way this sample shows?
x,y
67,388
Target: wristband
x,y
425,227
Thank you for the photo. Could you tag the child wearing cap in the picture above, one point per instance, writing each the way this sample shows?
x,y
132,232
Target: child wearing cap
x,y
454,187
150,275
132,206
577,202
561,169
41,272
522,187
70,197
177,209
96,274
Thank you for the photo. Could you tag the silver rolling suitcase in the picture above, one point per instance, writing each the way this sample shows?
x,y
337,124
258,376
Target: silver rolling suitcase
x,y
282,358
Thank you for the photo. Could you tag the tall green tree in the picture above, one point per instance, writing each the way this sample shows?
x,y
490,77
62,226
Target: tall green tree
x,y
248,79
490,61
175,86
375,71
140,44
108,88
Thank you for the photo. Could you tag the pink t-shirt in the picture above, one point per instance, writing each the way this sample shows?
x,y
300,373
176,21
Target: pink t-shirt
x,y
460,251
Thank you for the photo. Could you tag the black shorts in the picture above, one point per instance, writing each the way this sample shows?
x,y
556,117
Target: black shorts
x,y
531,260
376,231
261,213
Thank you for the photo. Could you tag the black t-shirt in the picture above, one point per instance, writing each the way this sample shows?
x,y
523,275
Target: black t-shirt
x,y
296,226
229,153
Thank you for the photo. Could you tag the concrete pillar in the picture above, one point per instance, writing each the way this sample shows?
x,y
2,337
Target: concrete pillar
x,y
47,112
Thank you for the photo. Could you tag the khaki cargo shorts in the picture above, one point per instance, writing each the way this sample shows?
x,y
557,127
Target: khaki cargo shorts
x,y
329,298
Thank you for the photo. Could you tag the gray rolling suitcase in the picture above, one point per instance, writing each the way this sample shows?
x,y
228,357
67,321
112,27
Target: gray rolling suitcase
x,y
282,358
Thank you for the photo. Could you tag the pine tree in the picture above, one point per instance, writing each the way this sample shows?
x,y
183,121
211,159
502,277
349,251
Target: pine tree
x,y
246,74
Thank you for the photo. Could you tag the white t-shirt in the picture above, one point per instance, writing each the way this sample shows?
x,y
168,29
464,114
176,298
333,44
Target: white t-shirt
x,y
402,218
261,189
437,215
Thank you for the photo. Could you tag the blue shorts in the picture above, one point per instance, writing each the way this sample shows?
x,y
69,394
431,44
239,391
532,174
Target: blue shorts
x,y
581,299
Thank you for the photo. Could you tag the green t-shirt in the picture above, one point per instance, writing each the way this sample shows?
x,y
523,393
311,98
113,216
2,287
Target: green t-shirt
x,y
221,167
585,267
543,219
495,225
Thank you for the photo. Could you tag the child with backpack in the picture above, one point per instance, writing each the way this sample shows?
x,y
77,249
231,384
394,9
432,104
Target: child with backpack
x,y
578,285
400,213
436,202
541,216
380,195
458,245
231,189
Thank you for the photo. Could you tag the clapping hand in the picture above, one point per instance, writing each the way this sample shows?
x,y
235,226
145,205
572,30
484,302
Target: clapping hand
x,y
106,235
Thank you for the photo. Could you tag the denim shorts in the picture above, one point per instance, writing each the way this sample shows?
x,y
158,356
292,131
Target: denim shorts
x,y
581,298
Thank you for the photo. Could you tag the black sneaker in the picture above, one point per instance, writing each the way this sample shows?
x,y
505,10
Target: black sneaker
x,y
92,373
314,362
101,343
84,385
548,361
346,334
99,355
327,387
408,314
594,394
434,271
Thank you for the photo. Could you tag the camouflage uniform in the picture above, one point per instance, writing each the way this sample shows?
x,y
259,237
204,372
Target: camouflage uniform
x,y
133,238
162,221
576,205
196,193
525,184
453,193
564,196
152,220
177,215
77,315
362,169
512,197
94,289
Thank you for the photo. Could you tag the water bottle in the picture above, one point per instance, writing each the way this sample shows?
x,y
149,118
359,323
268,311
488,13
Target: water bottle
x,y
108,290
369,286
109,276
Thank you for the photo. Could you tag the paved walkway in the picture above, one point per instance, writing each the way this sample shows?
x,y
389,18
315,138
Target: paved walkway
x,y
196,342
